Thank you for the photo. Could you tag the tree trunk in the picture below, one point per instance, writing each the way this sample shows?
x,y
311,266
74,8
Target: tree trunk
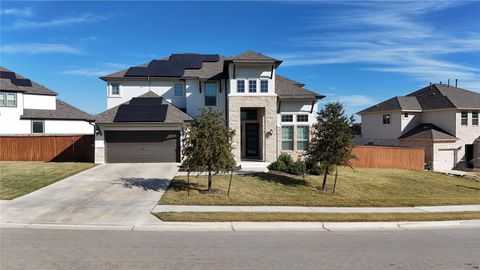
x,y
335,183
209,180
324,184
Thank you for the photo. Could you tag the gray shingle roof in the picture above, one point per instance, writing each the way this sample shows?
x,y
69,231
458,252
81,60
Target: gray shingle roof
x,y
427,131
289,89
437,96
63,111
254,57
174,114
7,85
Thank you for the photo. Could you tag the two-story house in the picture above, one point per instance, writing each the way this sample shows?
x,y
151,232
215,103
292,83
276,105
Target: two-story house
x,y
149,107
30,109
441,118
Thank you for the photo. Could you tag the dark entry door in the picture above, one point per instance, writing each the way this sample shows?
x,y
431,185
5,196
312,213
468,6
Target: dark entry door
x,y
469,154
251,140
142,146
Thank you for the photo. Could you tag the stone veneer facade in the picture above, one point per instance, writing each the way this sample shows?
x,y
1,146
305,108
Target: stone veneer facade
x,y
268,122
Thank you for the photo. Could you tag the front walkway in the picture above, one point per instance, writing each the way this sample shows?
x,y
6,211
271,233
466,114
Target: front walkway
x,y
301,209
109,194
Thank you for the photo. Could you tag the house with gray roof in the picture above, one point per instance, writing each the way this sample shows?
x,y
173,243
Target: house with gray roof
x,y
441,118
30,109
149,107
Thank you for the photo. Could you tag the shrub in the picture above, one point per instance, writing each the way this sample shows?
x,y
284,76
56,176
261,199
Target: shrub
x,y
314,168
286,164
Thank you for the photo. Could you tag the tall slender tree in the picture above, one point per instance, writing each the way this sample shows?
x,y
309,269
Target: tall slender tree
x,y
331,144
207,146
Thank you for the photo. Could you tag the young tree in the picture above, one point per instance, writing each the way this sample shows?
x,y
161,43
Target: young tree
x,y
207,146
331,144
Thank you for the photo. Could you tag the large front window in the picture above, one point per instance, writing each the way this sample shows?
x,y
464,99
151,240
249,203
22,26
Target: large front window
x,y
8,99
240,86
210,94
287,138
302,137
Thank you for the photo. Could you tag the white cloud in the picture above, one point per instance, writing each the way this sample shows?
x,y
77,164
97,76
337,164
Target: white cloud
x,y
389,37
101,70
84,18
23,12
38,48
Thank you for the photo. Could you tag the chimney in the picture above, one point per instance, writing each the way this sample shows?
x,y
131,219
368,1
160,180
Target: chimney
x,y
448,84
456,82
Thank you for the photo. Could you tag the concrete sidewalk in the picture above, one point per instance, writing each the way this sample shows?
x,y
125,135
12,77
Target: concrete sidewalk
x,y
301,209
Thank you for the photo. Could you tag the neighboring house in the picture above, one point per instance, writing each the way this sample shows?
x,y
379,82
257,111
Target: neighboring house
x,y
28,108
441,118
149,107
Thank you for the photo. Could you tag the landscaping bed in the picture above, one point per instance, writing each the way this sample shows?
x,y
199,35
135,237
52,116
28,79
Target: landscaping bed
x,y
311,217
355,188
20,178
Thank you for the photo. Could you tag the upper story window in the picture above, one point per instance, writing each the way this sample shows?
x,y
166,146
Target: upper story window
x,y
464,119
115,90
240,86
405,115
252,86
179,89
210,94
302,118
264,86
287,118
38,127
474,118
8,99
386,119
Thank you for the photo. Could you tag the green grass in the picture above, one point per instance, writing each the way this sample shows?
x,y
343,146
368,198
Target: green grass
x,y
20,178
361,188
312,217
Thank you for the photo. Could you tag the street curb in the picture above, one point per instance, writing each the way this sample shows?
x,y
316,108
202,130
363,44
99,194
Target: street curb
x,y
261,226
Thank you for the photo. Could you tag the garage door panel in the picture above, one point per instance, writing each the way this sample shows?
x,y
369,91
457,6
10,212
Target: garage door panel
x,y
142,146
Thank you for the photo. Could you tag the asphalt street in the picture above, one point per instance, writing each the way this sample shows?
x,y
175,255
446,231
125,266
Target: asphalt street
x,y
101,249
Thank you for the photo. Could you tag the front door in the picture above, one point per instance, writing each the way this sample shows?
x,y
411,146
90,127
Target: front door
x,y
469,155
251,140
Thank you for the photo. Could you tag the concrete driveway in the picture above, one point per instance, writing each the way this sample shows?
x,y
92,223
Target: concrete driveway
x,y
109,194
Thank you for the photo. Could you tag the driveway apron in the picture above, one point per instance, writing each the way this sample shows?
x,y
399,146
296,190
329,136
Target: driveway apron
x,y
109,194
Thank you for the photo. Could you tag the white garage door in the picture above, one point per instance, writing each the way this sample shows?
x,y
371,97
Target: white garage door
x,y
444,160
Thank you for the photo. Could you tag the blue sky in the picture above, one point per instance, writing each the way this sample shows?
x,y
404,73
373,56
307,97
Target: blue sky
x,y
357,52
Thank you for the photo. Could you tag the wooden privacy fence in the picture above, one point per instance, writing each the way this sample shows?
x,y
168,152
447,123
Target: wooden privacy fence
x,y
389,157
75,148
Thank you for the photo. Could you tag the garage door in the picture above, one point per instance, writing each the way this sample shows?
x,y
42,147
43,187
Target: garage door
x,y
142,146
444,160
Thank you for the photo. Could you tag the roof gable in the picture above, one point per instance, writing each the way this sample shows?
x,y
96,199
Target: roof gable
x,y
427,131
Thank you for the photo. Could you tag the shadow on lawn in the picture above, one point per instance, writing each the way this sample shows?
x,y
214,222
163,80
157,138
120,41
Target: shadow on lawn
x,y
279,178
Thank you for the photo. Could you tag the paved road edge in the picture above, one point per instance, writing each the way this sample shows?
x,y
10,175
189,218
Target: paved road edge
x,y
261,226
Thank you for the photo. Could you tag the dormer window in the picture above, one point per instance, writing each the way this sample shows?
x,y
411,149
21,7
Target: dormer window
x,y
240,86
115,91
252,86
264,86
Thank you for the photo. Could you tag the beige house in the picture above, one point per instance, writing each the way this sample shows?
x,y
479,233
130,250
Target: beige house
x,y
441,118
149,107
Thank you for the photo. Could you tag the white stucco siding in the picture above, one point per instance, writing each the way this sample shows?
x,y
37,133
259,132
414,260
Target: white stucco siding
x,y
10,122
466,134
68,127
410,120
39,102
443,119
131,89
373,127
251,72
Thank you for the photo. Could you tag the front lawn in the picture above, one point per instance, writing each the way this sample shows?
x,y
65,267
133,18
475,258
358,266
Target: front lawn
x,y
20,178
311,217
361,187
